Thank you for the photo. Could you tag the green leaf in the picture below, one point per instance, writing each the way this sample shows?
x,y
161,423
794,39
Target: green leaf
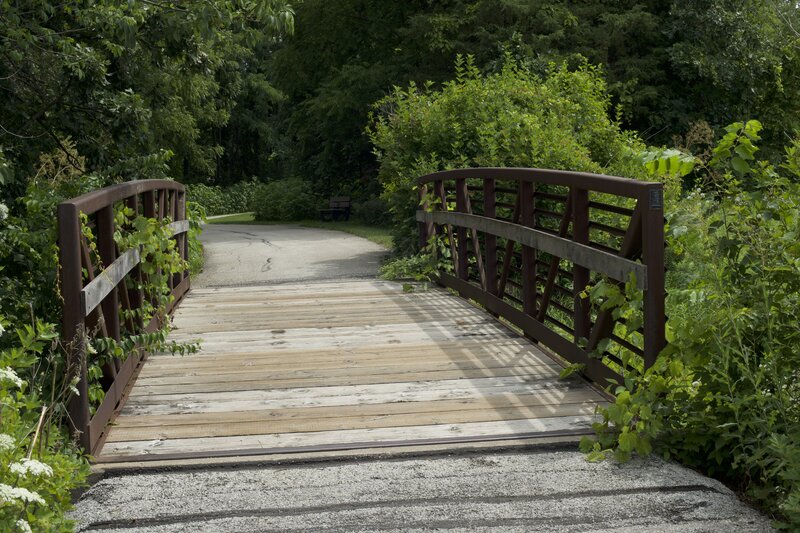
x,y
739,165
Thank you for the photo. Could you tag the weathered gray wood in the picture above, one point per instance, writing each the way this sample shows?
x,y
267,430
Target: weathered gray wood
x,y
107,280
339,363
178,227
506,427
614,266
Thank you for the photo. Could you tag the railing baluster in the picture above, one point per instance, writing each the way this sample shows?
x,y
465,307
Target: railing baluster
x,y
490,241
526,190
461,206
580,279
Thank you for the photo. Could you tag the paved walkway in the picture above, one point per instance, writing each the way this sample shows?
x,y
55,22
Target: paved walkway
x,y
478,487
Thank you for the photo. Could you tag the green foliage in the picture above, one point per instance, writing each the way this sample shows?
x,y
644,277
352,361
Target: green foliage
x,y
39,466
28,252
512,118
373,212
285,200
723,396
216,200
132,83
418,267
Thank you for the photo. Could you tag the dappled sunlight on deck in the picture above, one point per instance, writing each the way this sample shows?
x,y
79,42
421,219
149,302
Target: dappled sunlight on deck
x,y
344,363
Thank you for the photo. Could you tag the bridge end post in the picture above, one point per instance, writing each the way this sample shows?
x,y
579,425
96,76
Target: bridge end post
x,y
72,319
653,258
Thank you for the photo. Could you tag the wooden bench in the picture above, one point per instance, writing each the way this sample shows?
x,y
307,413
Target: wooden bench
x,y
338,209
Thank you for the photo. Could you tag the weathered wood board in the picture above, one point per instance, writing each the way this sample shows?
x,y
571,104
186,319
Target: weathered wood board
x,y
341,363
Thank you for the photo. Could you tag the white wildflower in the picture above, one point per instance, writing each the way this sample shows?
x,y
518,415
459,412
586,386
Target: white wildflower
x,y
2,329
7,442
9,494
3,212
6,374
31,467
24,526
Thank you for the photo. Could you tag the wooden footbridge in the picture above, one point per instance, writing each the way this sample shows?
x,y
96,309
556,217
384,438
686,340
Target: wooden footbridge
x,y
346,364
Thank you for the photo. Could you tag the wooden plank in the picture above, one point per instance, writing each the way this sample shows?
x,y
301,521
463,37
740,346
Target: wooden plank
x,y
474,403
503,428
344,396
350,421
510,349
104,283
355,376
336,365
614,266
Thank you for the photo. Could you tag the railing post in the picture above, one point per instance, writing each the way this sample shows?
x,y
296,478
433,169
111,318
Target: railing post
x,y
580,234
490,241
425,228
461,207
652,203
527,207
72,319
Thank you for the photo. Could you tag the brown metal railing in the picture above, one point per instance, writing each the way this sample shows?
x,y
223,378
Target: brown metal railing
x,y
525,243
96,297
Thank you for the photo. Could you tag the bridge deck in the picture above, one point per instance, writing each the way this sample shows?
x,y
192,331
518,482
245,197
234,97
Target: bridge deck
x,y
341,364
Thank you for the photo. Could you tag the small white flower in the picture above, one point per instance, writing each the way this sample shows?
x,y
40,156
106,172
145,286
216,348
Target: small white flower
x,y
7,442
23,526
32,467
6,374
2,329
3,212
9,494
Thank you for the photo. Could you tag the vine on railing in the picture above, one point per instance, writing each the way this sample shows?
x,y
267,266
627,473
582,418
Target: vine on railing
x,y
123,253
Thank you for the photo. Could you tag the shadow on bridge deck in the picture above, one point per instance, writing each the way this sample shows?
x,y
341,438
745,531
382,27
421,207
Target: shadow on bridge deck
x,y
340,365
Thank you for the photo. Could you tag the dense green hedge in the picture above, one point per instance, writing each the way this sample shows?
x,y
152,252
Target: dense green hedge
x,y
512,118
218,200
290,199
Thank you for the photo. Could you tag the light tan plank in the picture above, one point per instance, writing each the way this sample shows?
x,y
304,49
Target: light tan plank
x,y
347,422
298,414
480,429
294,398
243,382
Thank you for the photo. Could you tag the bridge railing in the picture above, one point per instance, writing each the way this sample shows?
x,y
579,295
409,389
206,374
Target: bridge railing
x,y
95,294
525,243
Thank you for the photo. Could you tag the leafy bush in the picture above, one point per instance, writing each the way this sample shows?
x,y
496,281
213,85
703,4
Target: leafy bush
x,y
284,200
724,395
373,212
509,119
216,200
39,466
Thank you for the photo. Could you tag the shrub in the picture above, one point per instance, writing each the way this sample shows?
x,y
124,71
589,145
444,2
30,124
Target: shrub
x,y
509,119
724,396
284,200
373,212
39,466
216,200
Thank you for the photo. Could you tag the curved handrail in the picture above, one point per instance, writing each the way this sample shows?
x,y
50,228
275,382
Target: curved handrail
x,y
93,201
614,185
